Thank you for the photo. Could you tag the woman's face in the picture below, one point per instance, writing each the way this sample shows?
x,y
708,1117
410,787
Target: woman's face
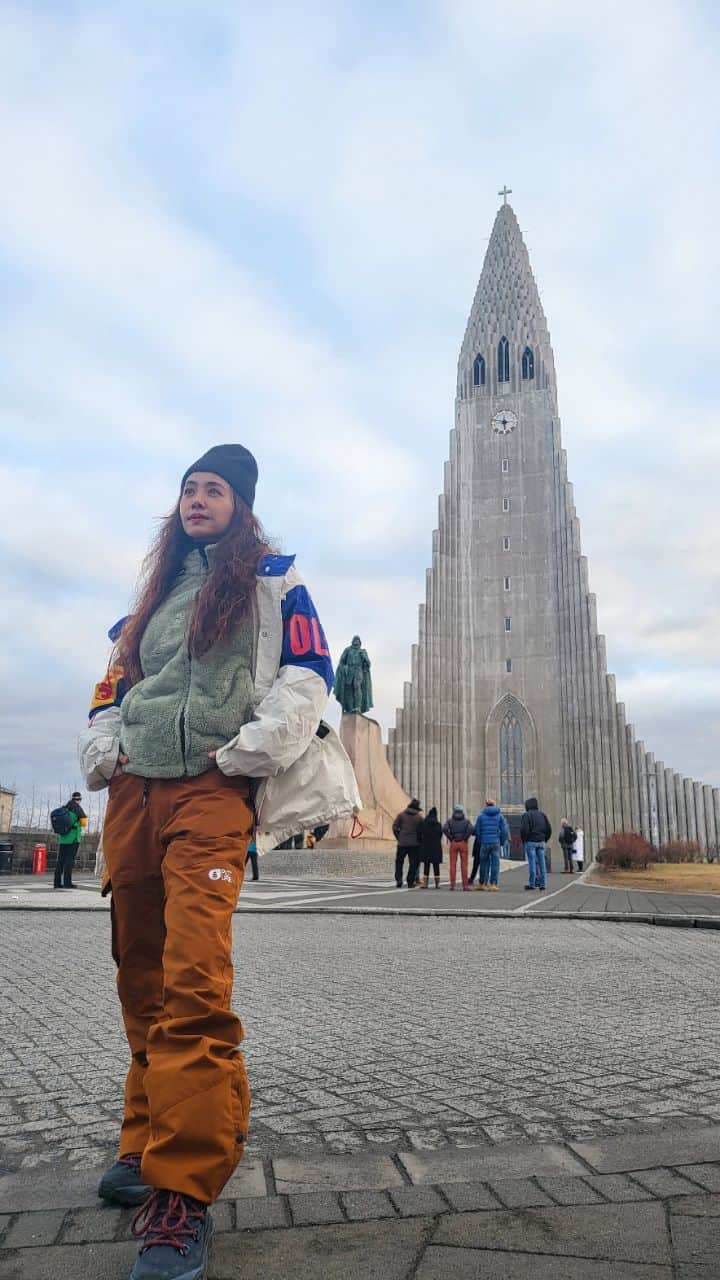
x,y
207,506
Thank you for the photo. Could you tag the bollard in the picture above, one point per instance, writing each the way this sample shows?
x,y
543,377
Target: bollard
x,y
39,864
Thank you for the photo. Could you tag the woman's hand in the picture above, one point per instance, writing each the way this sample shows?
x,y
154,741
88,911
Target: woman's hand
x,y
212,755
121,760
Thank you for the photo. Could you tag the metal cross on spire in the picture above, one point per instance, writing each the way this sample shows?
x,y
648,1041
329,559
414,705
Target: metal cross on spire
x,y
506,191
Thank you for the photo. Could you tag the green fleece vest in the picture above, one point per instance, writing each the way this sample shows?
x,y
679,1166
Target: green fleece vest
x,y
185,707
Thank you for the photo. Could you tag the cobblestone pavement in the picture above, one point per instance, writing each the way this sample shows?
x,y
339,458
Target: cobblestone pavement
x,y
383,1034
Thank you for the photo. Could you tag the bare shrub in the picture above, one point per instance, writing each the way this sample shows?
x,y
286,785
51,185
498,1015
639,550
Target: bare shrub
x,y
626,849
681,851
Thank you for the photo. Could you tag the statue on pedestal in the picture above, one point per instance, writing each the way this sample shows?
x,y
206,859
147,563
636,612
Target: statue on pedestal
x,y
353,685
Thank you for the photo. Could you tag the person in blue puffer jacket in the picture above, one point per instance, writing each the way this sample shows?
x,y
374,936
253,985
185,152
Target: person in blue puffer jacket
x,y
491,832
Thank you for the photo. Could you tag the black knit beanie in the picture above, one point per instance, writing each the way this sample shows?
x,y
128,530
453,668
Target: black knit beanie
x,y
235,464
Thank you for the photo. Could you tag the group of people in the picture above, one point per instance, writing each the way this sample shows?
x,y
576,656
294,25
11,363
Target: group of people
x,y
420,841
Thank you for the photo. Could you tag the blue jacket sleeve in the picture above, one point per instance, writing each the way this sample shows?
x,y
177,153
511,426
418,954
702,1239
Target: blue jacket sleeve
x,y
304,643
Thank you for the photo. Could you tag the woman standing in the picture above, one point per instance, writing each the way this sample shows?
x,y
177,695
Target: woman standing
x,y
220,678
431,847
578,853
566,840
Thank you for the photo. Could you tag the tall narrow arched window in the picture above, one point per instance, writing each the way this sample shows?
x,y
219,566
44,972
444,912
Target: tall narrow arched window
x,y
528,363
511,760
479,371
503,360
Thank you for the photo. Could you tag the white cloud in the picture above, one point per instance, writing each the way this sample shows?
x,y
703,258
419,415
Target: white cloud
x,y
284,244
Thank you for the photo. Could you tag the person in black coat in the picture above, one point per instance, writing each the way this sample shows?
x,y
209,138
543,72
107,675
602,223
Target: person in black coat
x,y
406,829
535,831
566,840
431,847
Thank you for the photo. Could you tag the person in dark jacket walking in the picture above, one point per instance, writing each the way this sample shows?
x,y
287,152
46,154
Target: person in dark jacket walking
x,y
406,829
431,847
535,831
457,831
491,832
566,840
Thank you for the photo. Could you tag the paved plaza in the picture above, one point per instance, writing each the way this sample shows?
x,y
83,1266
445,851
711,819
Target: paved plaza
x,y
431,1097
564,896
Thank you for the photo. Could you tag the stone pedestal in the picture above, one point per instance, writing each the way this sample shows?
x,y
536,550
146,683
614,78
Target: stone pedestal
x,y
382,796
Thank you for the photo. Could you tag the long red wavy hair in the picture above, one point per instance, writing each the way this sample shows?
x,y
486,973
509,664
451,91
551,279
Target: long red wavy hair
x,y
222,602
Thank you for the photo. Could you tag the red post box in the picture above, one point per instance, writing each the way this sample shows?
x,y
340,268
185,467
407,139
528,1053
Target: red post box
x,y
39,859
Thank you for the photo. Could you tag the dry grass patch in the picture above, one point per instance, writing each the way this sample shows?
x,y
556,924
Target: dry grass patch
x,y
681,877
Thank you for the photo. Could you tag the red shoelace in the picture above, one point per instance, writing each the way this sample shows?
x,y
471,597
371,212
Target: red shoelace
x,y
169,1218
133,1159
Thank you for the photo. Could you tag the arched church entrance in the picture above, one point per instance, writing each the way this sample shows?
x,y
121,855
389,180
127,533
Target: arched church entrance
x,y
510,762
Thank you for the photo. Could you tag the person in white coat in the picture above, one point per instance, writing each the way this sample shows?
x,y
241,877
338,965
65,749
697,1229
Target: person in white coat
x,y
578,853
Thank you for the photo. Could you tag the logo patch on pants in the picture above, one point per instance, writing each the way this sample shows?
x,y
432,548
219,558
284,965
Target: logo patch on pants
x,y
220,873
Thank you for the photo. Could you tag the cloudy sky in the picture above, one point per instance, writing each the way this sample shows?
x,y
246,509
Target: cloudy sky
x,y
265,223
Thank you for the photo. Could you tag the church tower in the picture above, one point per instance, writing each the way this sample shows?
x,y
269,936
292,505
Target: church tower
x,y
509,694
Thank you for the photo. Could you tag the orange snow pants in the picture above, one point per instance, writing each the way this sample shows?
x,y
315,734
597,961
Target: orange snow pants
x,y
175,854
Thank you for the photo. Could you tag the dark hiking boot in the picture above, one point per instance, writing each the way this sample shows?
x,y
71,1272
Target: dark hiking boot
x,y
176,1232
122,1184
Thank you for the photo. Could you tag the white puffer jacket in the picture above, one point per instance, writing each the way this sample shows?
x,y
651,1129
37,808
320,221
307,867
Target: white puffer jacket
x,y
307,779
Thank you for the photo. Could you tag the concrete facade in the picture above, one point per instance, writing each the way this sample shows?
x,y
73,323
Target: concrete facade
x,y
509,693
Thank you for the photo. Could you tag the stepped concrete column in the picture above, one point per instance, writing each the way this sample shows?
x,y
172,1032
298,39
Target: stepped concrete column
x,y
710,831
624,764
596,789
661,802
671,806
421,708
716,814
682,823
443,762
596,694
570,723
391,751
610,757
407,730
579,677
692,831
652,798
636,821
700,814
414,725
642,770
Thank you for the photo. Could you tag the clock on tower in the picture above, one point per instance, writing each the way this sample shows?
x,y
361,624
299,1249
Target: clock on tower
x,y
504,421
